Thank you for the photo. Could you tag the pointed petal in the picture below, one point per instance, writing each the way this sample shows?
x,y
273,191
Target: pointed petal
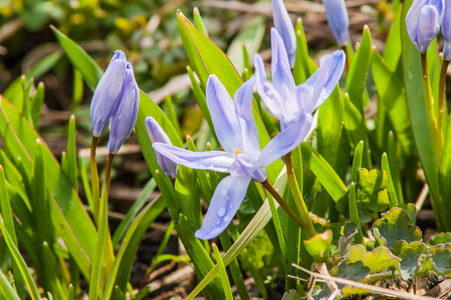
x,y
446,30
224,204
266,90
124,115
302,103
285,28
326,78
282,78
243,107
157,135
286,141
223,115
107,92
208,160
337,17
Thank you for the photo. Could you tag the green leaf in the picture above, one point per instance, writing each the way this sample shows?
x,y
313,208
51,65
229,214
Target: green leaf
x,y
71,166
356,129
377,260
350,229
441,238
392,51
301,70
357,161
394,227
251,36
417,113
199,22
391,187
36,105
83,62
355,83
223,274
441,260
371,190
445,175
391,93
410,254
7,291
318,246
76,221
323,171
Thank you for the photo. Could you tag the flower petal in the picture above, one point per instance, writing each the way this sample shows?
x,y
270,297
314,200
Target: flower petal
x,y
157,135
326,78
107,92
223,115
286,141
224,204
208,160
337,17
266,90
243,107
446,30
282,78
123,118
285,28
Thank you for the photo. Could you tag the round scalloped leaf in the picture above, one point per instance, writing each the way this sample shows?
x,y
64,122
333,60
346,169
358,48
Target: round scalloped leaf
x,y
411,256
353,271
441,238
350,229
371,190
441,260
291,295
395,226
378,259
318,246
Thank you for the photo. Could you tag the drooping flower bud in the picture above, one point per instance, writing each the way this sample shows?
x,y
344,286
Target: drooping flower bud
x,y
423,22
107,93
337,17
124,115
284,27
157,135
446,31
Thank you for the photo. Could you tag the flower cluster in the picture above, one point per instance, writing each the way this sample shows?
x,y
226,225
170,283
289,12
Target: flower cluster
x,y
115,99
423,22
237,131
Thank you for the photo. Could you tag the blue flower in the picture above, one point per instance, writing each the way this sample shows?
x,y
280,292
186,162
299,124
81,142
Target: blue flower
x,y
157,135
124,114
446,30
285,28
242,158
286,101
423,22
337,17
107,92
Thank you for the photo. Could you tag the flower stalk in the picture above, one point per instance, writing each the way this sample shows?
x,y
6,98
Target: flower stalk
x,y
441,95
94,178
429,103
309,230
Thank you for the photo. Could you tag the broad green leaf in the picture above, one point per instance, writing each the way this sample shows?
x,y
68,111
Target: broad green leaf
x,y
318,245
323,171
392,51
410,254
445,175
355,83
394,227
356,129
418,118
392,94
199,22
377,260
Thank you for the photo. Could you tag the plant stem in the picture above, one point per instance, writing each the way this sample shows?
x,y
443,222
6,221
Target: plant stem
x,y
298,199
302,223
348,59
441,95
429,103
94,179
